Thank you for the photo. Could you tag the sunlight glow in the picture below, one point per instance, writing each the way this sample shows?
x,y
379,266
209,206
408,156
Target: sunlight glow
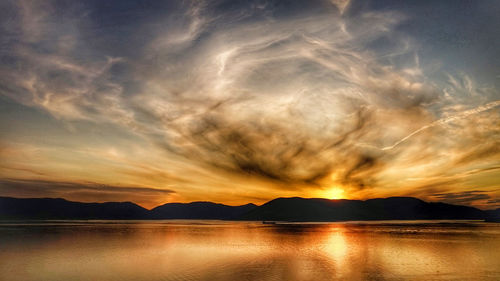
x,y
335,193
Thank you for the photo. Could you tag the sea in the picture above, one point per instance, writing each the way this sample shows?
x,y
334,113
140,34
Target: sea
x,y
194,250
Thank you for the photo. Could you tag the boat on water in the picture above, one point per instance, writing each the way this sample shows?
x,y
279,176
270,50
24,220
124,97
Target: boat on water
x,y
268,222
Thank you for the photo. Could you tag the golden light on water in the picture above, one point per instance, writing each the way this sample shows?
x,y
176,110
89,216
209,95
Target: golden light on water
x,y
226,251
336,244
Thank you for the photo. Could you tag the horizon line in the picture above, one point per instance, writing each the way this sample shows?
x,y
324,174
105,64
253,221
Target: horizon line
x,y
344,199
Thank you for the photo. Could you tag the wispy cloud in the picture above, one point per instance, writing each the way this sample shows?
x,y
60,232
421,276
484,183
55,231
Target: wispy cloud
x,y
88,192
474,197
442,121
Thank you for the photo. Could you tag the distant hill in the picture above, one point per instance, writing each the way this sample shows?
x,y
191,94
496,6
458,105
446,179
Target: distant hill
x,y
280,209
50,208
393,208
493,215
199,210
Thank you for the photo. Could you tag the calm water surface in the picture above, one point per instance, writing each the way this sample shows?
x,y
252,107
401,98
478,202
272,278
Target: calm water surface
x,y
214,250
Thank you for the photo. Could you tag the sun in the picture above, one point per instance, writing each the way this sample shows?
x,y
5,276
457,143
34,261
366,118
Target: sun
x,y
335,193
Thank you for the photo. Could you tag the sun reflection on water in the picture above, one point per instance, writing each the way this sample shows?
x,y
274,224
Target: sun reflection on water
x,y
227,251
336,245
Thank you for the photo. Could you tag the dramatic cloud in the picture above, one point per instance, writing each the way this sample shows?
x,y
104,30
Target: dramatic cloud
x,y
235,99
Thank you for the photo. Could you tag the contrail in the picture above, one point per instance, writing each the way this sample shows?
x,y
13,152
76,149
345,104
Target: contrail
x,y
447,120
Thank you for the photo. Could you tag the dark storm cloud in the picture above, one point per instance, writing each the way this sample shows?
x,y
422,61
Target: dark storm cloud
x,y
271,149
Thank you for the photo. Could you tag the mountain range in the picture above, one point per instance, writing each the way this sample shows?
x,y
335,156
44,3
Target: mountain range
x,y
281,209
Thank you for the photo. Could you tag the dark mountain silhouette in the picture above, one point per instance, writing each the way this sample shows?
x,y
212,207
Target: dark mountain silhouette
x,y
199,210
493,215
280,209
393,208
50,208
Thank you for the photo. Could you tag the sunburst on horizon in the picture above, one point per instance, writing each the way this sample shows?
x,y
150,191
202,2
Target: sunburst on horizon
x,y
335,193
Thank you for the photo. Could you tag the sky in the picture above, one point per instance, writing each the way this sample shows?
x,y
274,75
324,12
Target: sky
x,y
236,101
